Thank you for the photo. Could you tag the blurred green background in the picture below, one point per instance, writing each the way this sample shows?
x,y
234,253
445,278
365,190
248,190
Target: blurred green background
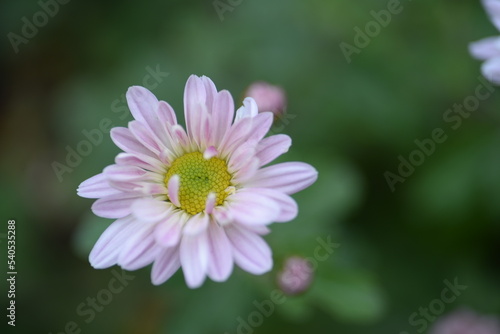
x,y
349,120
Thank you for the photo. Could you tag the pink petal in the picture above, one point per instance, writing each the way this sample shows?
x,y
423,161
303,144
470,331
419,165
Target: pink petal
x,y
143,105
261,125
95,187
211,92
236,135
250,251
141,161
222,115
288,206
144,136
241,156
180,136
196,224
287,177
125,140
252,208
258,229
105,252
220,264
166,264
125,173
194,253
246,172
115,206
209,153
272,147
168,232
151,210
166,113
194,106
210,203
222,215
140,249
150,141
173,189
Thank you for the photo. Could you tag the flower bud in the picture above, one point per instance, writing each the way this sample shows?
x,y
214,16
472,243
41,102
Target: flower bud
x,y
296,276
268,98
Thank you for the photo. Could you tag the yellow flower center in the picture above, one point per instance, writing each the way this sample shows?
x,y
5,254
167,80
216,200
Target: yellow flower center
x,y
199,177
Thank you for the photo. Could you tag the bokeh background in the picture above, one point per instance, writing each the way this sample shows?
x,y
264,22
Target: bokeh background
x,y
350,120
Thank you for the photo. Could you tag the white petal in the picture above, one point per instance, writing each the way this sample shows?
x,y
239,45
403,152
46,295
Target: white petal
x,y
249,109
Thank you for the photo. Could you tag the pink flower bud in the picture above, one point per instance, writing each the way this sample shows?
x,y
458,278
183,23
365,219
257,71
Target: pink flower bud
x,y
268,97
296,276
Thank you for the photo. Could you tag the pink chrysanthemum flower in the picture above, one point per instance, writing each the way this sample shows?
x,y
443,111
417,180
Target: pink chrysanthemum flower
x,y
488,49
199,199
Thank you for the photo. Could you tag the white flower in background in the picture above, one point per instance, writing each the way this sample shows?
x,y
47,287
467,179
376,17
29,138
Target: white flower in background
x,y
488,49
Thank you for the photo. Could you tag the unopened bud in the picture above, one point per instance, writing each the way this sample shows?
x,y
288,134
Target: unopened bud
x,y
296,276
268,98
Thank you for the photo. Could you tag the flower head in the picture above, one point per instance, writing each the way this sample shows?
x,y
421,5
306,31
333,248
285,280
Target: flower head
x,y
488,49
268,98
199,199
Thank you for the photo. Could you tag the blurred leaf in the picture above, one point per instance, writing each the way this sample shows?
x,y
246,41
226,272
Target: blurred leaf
x,y
349,296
